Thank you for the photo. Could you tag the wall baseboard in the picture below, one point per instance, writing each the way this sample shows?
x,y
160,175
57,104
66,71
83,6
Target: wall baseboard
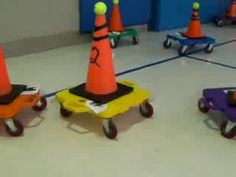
x,y
43,43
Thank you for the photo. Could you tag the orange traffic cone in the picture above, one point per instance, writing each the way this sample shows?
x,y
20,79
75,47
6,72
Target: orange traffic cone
x,y
234,96
101,76
5,85
194,28
116,24
232,10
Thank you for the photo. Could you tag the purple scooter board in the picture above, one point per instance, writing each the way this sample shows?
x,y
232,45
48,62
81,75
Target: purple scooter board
x,y
216,99
220,21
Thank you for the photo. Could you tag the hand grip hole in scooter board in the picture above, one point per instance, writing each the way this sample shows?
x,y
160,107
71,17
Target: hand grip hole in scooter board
x,y
211,103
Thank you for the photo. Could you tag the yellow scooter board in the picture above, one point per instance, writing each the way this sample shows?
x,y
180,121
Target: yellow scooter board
x,y
138,97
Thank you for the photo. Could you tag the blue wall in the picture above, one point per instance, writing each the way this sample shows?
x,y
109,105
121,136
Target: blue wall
x,y
159,14
133,12
177,13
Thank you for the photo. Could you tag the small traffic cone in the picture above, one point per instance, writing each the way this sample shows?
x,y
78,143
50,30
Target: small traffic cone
x,y
5,85
234,96
101,76
232,10
116,24
194,28
231,98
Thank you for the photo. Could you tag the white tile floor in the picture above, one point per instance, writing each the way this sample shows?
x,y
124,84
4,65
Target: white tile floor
x,y
175,143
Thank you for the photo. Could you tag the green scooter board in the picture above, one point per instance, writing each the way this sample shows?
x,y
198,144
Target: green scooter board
x,y
116,36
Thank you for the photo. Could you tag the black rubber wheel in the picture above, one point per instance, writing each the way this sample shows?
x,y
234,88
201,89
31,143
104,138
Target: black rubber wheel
x,y
209,48
167,44
135,40
112,134
65,113
227,134
146,110
41,105
183,50
202,107
19,128
218,22
113,43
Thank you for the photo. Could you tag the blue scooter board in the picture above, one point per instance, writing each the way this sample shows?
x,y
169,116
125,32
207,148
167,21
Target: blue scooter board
x,y
185,42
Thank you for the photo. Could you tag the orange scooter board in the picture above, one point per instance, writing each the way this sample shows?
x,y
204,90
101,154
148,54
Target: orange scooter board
x,y
29,98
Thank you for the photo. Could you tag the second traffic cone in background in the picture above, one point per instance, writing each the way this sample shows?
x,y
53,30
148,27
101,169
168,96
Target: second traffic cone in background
x,y
116,24
194,28
101,76
5,85
232,10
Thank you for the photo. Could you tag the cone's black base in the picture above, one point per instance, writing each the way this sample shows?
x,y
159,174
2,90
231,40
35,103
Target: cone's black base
x,y
202,37
101,99
9,98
